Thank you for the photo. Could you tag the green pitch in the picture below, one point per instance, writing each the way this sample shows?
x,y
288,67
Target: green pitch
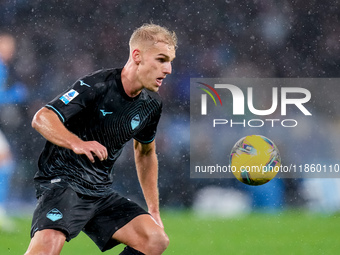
x,y
283,233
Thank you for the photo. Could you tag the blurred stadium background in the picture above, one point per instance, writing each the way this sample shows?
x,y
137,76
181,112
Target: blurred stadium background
x,y
59,41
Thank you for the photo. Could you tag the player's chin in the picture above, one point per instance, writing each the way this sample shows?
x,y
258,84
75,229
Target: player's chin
x,y
153,88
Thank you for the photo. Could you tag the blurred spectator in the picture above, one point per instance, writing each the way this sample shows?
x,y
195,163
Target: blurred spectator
x,y
6,170
10,93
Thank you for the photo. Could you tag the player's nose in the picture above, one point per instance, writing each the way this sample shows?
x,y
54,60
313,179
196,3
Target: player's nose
x,y
167,68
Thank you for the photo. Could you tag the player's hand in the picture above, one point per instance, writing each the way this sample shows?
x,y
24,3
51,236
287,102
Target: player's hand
x,y
91,149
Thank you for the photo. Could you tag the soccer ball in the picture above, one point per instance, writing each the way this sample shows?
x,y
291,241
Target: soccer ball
x,y
255,160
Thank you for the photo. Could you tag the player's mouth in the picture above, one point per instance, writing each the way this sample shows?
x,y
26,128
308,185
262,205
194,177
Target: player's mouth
x,y
159,81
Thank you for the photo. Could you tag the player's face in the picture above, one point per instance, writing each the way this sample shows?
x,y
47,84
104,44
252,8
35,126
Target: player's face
x,y
155,65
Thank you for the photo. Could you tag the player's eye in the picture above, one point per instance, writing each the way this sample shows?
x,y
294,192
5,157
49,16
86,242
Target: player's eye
x,y
162,60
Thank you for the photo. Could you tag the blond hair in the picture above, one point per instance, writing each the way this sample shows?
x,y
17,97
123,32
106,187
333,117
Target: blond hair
x,y
149,34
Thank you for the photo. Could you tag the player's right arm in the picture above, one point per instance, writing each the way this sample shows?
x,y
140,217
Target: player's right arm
x,y
48,124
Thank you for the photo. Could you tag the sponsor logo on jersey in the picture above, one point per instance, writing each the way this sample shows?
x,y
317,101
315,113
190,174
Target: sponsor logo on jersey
x,y
69,96
135,121
105,113
84,84
54,215
55,180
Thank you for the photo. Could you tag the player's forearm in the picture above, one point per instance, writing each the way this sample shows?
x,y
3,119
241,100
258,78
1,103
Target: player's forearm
x,y
148,178
147,170
47,123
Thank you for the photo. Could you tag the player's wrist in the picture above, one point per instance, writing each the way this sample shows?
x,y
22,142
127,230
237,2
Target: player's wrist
x,y
74,142
153,210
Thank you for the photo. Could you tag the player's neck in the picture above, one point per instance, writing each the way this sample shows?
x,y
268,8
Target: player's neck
x,y
130,84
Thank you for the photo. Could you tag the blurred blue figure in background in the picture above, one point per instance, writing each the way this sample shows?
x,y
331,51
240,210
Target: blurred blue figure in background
x,y
6,169
10,93
268,197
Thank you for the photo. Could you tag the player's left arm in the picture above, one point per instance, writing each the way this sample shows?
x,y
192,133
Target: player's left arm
x,y
147,171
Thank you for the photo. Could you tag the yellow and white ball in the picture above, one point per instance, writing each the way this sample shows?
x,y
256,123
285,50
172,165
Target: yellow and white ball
x,y
255,160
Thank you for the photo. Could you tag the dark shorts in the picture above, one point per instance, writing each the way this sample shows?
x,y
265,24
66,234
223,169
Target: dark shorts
x,y
69,212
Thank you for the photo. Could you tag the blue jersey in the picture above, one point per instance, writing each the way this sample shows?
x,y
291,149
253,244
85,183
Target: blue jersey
x,y
96,108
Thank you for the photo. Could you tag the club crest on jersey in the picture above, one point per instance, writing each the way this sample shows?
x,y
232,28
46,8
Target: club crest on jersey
x,y
69,96
54,215
135,121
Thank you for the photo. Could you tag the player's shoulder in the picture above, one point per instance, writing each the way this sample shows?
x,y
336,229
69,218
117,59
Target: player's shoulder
x,y
152,96
99,76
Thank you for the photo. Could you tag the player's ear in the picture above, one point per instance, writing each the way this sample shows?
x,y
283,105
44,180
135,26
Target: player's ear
x,y
136,56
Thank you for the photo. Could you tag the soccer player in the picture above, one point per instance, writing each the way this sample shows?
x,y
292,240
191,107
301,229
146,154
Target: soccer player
x,y
86,128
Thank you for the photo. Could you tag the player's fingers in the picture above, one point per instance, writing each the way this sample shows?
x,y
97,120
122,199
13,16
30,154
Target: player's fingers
x,y
105,153
101,153
92,149
90,156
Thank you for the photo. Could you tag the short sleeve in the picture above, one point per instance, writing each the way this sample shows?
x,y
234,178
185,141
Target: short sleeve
x,y
79,96
148,133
